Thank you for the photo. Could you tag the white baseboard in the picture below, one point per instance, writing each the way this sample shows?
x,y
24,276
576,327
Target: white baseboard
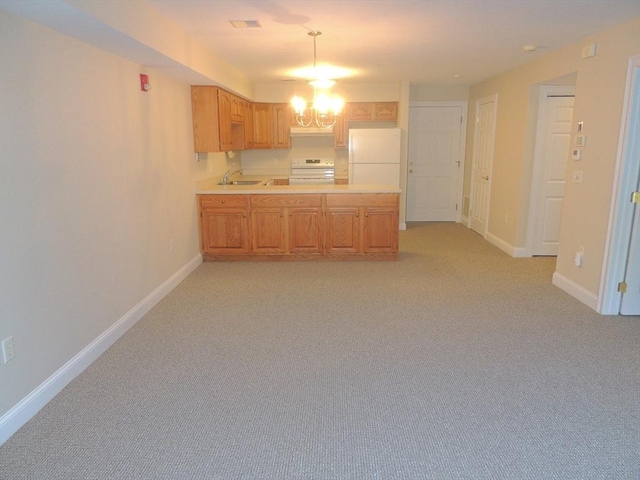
x,y
24,410
464,220
590,299
516,252
403,226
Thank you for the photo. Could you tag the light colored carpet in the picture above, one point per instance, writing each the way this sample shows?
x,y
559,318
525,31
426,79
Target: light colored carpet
x,y
455,362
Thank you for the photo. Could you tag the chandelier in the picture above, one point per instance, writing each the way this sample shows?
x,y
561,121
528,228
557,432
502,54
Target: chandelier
x,y
325,108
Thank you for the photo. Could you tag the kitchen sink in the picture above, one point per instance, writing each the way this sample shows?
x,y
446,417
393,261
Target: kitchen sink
x,y
246,182
242,182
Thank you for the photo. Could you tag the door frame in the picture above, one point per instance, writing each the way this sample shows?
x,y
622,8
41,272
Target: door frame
x,y
464,105
538,159
621,209
489,98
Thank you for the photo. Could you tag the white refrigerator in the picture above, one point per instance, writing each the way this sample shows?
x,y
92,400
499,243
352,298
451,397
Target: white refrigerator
x,y
374,156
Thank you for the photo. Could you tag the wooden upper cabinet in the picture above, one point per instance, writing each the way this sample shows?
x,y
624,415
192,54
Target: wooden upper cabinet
x,y
372,111
385,111
281,125
204,110
237,115
341,132
262,125
359,111
214,129
248,125
224,120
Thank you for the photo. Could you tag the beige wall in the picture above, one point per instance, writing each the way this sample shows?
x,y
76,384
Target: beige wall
x,y
444,93
97,178
600,84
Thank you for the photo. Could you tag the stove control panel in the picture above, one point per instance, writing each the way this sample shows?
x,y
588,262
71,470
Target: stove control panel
x,y
312,162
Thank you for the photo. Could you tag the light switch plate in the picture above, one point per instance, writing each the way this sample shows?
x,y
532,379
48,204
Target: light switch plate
x,y
576,153
581,140
589,51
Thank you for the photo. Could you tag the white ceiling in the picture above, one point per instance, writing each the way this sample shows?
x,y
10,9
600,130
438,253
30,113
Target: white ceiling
x,y
421,41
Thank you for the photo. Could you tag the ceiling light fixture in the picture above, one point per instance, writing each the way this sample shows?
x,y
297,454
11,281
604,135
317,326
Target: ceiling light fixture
x,y
325,108
245,23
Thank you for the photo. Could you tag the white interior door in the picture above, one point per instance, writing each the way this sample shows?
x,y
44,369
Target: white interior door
x,y
553,145
483,145
630,304
622,262
433,189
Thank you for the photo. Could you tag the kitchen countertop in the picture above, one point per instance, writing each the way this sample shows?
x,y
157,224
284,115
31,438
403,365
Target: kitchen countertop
x,y
210,186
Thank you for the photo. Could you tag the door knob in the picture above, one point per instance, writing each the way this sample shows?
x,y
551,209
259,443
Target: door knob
x,y
411,171
486,177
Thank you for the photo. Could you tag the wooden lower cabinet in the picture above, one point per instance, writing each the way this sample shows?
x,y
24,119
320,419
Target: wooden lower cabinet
x,y
343,230
362,223
284,224
299,226
224,224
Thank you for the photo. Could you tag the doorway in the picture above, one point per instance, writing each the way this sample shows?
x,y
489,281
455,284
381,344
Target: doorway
x,y
435,155
553,143
482,164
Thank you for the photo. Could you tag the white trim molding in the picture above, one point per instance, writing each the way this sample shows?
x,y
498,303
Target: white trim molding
x,y
516,252
26,409
577,291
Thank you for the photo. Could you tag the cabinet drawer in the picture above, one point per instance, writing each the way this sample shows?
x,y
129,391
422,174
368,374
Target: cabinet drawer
x,y
266,201
363,200
223,201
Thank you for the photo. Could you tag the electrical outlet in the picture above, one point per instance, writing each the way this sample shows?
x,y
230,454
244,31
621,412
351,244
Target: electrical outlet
x,y
171,246
8,352
576,176
578,258
506,218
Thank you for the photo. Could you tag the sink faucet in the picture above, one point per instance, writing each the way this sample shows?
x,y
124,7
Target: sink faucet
x,y
228,173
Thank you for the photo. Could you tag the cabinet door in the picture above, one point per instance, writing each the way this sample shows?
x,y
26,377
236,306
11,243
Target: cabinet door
x,y
362,111
204,111
224,119
341,132
248,125
268,230
262,125
305,230
237,114
380,230
342,230
224,232
281,125
385,111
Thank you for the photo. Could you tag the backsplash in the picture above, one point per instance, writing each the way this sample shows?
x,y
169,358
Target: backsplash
x,y
277,161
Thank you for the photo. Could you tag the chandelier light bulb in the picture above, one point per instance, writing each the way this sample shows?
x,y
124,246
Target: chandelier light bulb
x,y
299,105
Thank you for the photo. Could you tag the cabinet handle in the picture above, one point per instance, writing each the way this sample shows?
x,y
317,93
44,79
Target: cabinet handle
x,y
366,214
357,214
223,201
